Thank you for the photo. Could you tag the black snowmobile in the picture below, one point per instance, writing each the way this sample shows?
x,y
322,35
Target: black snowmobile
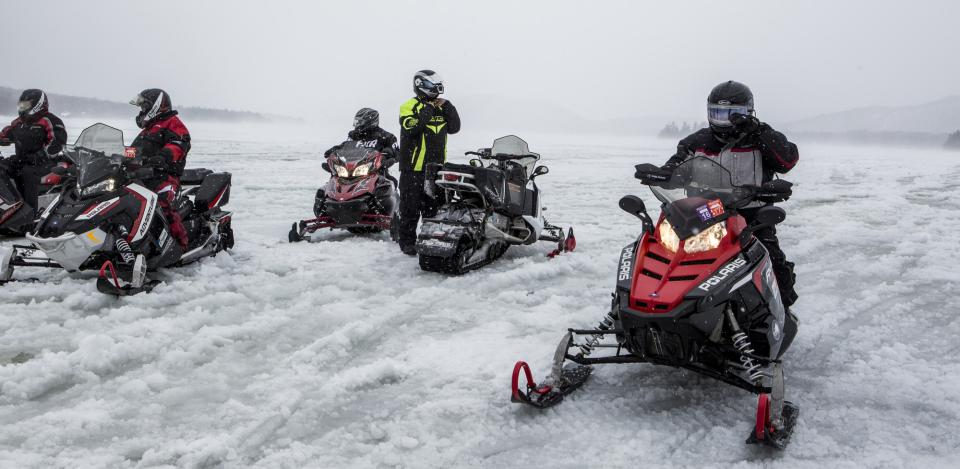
x,y
487,209
105,220
695,291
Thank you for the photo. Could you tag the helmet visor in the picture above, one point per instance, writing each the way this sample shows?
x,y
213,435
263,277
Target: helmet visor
x,y
23,106
433,86
719,114
142,103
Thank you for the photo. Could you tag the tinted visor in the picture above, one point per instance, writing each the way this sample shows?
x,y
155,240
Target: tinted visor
x,y
428,85
23,106
719,114
142,103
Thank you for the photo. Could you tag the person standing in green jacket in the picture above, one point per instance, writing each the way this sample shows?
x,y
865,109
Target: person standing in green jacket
x,y
425,121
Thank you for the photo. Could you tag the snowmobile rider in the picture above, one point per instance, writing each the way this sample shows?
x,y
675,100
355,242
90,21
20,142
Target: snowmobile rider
x,y
735,134
163,144
425,121
367,133
38,136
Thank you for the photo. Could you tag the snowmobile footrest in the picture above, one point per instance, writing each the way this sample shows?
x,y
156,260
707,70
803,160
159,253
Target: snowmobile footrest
x,y
780,437
547,395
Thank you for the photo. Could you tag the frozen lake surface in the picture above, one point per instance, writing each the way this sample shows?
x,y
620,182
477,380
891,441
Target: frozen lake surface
x,y
342,353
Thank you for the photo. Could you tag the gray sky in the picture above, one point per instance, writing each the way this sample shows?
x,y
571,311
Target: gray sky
x,y
601,59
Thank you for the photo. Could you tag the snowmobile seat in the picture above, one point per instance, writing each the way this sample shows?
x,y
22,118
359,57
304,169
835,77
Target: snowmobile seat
x,y
194,176
214,191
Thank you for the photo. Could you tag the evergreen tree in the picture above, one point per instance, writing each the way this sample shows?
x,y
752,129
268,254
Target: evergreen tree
x,y
953,141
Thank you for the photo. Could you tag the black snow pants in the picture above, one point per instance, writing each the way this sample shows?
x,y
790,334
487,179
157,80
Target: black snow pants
x,y
29,182
782,268
414,203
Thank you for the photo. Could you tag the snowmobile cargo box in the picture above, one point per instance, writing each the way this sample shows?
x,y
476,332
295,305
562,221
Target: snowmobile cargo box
x,y
194,176
214,190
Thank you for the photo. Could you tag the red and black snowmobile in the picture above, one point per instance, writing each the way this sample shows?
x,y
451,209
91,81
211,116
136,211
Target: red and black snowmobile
x,y
696,291
358,197
105,220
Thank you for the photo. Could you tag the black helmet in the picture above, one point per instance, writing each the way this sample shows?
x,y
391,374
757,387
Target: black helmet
x,y
32,105
427,84
152,103
366,119
727,98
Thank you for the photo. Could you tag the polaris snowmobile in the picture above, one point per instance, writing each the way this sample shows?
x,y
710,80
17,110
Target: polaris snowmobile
x,y
357,198
696,291
16,216
105,220
488,208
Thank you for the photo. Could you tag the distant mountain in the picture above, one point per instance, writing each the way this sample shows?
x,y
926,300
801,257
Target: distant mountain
x,y
66,106
937,117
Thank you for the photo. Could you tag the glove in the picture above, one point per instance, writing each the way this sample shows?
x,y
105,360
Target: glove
x,y
745,124
159,163
649,174
426,113
5,141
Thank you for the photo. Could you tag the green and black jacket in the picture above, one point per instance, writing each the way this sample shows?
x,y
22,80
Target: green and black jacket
x,y
425,142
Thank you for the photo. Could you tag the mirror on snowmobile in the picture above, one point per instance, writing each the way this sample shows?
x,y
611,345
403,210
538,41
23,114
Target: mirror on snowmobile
x,y
541,170
632,205
476,163
769,216
326,167
766,216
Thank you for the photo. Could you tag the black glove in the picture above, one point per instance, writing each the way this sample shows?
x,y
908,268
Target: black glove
x,y
426,113
158,163
777,190
649,174
745,124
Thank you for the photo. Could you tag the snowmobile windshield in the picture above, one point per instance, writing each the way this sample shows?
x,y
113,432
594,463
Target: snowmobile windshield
x,y
699,194
98,153
352,152
512,146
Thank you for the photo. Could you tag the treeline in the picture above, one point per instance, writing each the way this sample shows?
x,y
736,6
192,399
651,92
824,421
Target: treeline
x,y
65,106
953,141
672,130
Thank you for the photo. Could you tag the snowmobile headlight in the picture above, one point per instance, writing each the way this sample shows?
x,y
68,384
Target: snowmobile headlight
x,y
342,171
668,238
362,170
104,186
708,240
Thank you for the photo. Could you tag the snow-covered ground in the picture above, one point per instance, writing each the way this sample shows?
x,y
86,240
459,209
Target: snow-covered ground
x,y
342,353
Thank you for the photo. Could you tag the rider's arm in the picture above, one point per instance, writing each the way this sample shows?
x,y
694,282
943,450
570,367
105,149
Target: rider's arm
x,y
59,136
779,154
177,146
451,116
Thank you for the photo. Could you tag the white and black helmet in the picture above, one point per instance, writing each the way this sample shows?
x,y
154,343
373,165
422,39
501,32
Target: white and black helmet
x,y
32,104
427,84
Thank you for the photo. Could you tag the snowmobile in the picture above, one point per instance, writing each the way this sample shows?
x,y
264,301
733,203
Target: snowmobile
x,y
105,220
695,291
16,216
358,197
486,209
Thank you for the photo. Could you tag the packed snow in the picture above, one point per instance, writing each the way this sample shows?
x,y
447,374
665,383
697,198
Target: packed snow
x,y
342,353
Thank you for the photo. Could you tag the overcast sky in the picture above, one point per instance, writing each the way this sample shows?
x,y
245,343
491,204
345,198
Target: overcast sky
x,y
601,59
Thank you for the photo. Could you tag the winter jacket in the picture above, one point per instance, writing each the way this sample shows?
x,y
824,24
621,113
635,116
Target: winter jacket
x,y
164,144
379,139
423,133
33,141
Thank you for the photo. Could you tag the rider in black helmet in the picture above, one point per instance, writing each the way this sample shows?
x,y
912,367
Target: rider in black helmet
x,y
38,136
736,134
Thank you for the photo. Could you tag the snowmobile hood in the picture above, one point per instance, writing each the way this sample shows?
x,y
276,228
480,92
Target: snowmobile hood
x,y
70,250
